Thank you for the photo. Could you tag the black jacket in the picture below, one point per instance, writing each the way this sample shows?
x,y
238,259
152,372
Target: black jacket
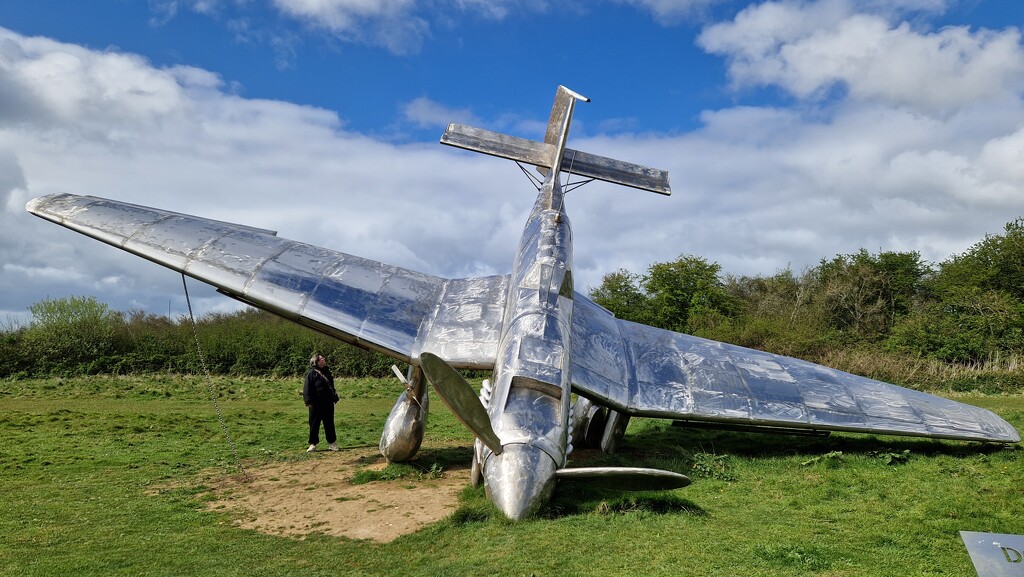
x,y
319,386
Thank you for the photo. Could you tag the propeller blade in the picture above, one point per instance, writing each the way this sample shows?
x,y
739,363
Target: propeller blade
x,y
460,398
398,373
626,478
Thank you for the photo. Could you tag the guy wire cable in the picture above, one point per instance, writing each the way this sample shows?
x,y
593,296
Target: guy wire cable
x,y
209,381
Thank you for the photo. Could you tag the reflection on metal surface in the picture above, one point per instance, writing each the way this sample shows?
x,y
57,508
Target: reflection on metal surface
x,y
457,393
541,339
681,376
405,425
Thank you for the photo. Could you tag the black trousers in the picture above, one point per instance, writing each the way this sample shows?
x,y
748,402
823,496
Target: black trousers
x,y
321,413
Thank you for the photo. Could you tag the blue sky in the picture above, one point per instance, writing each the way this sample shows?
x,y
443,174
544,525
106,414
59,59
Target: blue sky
x,y
792,130
465,58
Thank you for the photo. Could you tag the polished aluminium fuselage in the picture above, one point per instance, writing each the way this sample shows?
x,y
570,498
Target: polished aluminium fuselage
x,y
529,400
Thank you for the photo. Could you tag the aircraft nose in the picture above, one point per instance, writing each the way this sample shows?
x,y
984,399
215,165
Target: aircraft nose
x,y
520,480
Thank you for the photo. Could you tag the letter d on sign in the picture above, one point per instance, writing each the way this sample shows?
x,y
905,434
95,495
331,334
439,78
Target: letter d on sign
x,y
995,554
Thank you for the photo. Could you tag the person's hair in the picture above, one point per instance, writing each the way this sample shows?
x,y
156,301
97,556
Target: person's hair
x,y
313,359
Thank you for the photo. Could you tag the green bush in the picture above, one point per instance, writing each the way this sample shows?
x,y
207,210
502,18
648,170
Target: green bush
x,y
958,325
968,325
79,335
72,335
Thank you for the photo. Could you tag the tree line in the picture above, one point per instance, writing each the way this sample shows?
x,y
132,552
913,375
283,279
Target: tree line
x,y
889,315
80,335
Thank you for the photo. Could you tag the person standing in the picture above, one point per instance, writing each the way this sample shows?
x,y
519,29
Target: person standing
x,y
319,394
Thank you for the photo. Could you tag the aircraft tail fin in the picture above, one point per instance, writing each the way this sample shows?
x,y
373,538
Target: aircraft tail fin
x,y
553,151
558,126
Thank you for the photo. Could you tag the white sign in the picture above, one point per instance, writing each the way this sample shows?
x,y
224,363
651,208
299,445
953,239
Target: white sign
x,y
995,554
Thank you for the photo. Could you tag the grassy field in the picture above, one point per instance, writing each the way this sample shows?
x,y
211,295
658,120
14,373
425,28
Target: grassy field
x,y
104,476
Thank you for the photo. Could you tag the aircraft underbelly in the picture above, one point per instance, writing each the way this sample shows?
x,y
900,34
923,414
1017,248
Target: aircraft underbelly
x,y
530,399
364,302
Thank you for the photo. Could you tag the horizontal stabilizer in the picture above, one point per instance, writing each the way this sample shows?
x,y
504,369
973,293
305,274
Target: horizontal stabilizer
x,y
574,161
497,144
626,478
460,398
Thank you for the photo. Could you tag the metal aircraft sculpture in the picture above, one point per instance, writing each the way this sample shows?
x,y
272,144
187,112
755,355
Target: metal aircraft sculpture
x,y
542,340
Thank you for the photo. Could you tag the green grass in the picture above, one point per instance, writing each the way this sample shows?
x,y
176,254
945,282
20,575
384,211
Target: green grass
x,y
105,477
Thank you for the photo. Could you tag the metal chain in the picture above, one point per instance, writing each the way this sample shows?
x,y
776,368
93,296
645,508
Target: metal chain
x,y
209,381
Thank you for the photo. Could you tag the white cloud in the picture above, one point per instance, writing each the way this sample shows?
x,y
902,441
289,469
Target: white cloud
x,y
668,12
112,125
1004,157
499,9
399,26
45,273
165,10
756,188
424,113
809,48
391,24
69,87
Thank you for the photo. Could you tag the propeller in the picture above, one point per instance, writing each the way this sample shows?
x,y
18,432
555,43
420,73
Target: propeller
x,y
401,377
460,398
626,478
410,393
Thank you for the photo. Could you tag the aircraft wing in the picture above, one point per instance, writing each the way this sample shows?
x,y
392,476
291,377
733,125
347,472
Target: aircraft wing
x,y
651,372
363,302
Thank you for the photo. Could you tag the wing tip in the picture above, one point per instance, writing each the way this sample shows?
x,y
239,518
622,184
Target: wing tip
x,y
35,205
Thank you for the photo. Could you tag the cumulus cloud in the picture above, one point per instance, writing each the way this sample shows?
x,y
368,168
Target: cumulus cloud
x,y
392,24
757,188
12,178
1003,157
499,9
669,12
809,49
62,86
113,125
424,112
400,26
921,150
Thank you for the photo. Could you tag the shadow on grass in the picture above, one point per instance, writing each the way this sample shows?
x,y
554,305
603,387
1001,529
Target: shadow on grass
x,y
448,458
573,498
660,441
698,453
444,458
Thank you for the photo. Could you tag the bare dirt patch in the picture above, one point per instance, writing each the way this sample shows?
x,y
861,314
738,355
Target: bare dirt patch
x,y
315,495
